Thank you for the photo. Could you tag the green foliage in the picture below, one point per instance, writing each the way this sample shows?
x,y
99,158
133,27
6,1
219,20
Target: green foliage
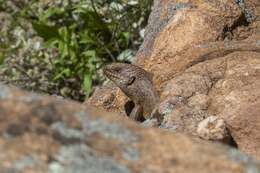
x,y
84,35
1,58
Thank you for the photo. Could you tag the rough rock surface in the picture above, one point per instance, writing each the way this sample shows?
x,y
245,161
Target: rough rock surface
x,y
42,134
213,128
205,57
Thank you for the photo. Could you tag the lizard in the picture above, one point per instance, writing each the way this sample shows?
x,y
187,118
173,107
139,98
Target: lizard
x,y
137,84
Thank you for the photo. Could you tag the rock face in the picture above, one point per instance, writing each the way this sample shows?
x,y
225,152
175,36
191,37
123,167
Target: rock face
x,y
205,57
41,134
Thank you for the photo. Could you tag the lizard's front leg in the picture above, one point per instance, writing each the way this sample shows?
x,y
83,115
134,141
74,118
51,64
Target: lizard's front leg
x,y
137,113
154,120
155,114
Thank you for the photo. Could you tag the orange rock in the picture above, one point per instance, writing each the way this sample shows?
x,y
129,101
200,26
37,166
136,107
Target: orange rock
x,y
205,56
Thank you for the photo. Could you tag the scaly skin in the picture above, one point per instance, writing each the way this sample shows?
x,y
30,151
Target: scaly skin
x,y
137,84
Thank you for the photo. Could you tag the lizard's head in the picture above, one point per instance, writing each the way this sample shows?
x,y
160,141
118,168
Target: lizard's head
x,y
125,75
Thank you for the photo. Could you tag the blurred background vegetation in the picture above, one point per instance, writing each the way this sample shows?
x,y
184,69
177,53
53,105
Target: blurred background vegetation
x,y
59,47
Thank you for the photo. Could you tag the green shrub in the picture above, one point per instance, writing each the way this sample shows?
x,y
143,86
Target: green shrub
x,y
79,36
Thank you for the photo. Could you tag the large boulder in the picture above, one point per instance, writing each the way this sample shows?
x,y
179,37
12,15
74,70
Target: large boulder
x,y
205,57
42,134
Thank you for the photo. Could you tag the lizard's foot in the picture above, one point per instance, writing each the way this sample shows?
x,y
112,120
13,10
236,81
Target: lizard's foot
x,y
150,123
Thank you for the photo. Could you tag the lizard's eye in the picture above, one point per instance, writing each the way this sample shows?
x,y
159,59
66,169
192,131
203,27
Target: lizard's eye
x,y
131,80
